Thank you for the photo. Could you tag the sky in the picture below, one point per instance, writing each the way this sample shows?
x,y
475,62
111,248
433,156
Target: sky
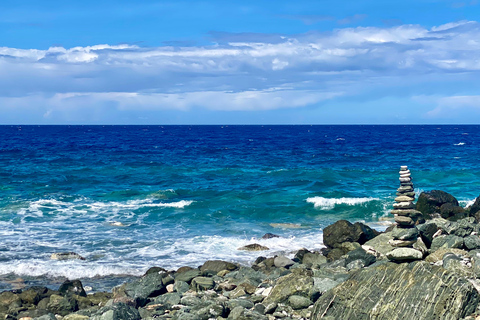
x,y
239,62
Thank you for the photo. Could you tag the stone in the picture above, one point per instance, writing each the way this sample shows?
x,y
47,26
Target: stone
x,y
72,287
217,266
451,212
269,236
420,246
380,244
291,284
427,230
405,233
447,241
402,243
146,287
403,205
344,231
360,254
62,305
283,262
410,194
404,199
475,207
253,247
403,168
404,189
202,283
404,221
117,311
405,212
66,256
313,259
405,179
299,302
404,254
472,242
397,292
431,201
187,276
457,265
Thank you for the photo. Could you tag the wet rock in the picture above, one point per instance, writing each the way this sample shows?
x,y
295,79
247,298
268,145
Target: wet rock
x,y
253,247
380,293
66,256
72,287
118,311
447,241
343,231
299,302
430,202
404,254
282,262
217,266
269,236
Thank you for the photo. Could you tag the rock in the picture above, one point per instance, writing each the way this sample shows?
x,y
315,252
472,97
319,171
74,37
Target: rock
x,y
203,283
360,254
187,276
402,243
427,230
472,242
382,292
49,316
403,205
404,254
62,305
118,311
457,265
217,266
181,287
343,231
404,199
66,256
269,236
313,259
430,202
155,270
451,212
253,247
380,243
475,207
461,228
283,262
405,233
299,302
74,316
448,241
438,254
404,221
146,287
72,287
291,284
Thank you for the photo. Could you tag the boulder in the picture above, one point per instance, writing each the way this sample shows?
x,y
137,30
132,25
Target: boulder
x,y
289,285
475,207
448,241
269,236
253,247
344,231
392,291
117,311
217,266
451,212
66,256
430,202
146,287
427,230
62,305
472,242
72,287
283,262
380,244
203,283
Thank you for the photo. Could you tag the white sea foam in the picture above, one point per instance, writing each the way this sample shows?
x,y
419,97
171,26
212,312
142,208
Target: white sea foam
x,y
330,203
459,144
466,203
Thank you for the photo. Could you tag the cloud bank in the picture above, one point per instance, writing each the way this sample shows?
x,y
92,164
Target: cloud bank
x,y
273,72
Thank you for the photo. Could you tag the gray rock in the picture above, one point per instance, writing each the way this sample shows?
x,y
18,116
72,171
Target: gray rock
x,y
404,254
343,231
118,311
299,302
282,262
190,300
448,241
461,228
49,316
291,284
217,266
431,201
62,305
253,247
404,221
472,242
269,236
427,230
202,283
72,287
360,254
168,299
181,287
187,276
380,243
381,293
313,259
244,303
405,233
66,256
146,287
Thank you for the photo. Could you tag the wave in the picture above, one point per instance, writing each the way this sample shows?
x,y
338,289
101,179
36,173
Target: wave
x,y
459,144
466,203
330,203
84,206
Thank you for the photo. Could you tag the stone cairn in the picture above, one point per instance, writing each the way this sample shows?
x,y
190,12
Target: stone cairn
x,y
405,234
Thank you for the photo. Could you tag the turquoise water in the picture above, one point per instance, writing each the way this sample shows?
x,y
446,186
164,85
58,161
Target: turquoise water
x,y
127,198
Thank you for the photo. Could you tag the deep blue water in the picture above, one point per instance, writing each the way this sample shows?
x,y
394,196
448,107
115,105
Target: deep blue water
x,y
185,194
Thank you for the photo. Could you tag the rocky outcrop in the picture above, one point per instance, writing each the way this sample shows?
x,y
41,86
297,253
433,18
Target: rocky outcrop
x,y
343,231
430,202
399,291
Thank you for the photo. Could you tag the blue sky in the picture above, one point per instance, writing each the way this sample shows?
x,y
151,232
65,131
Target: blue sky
x,y
239,62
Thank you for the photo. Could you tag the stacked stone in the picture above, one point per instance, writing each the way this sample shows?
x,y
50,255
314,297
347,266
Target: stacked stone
x,y
406,217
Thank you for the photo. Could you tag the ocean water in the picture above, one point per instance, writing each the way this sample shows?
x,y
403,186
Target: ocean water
x,y
130,197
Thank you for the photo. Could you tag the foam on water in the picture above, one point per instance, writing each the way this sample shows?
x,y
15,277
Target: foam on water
x,y
329,203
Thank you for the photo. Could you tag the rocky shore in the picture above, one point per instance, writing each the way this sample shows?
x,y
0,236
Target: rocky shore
x,y
355,277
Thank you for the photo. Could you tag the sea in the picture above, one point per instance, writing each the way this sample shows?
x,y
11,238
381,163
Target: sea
x,y
127,198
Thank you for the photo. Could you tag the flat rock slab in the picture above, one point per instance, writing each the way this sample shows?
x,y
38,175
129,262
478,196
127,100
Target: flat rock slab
x,y
399,291
404,254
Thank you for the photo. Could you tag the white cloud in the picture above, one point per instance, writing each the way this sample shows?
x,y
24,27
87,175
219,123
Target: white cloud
x,y
304,70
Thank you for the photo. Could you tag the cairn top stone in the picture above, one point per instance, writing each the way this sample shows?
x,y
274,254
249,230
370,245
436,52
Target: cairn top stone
x,y
403,167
